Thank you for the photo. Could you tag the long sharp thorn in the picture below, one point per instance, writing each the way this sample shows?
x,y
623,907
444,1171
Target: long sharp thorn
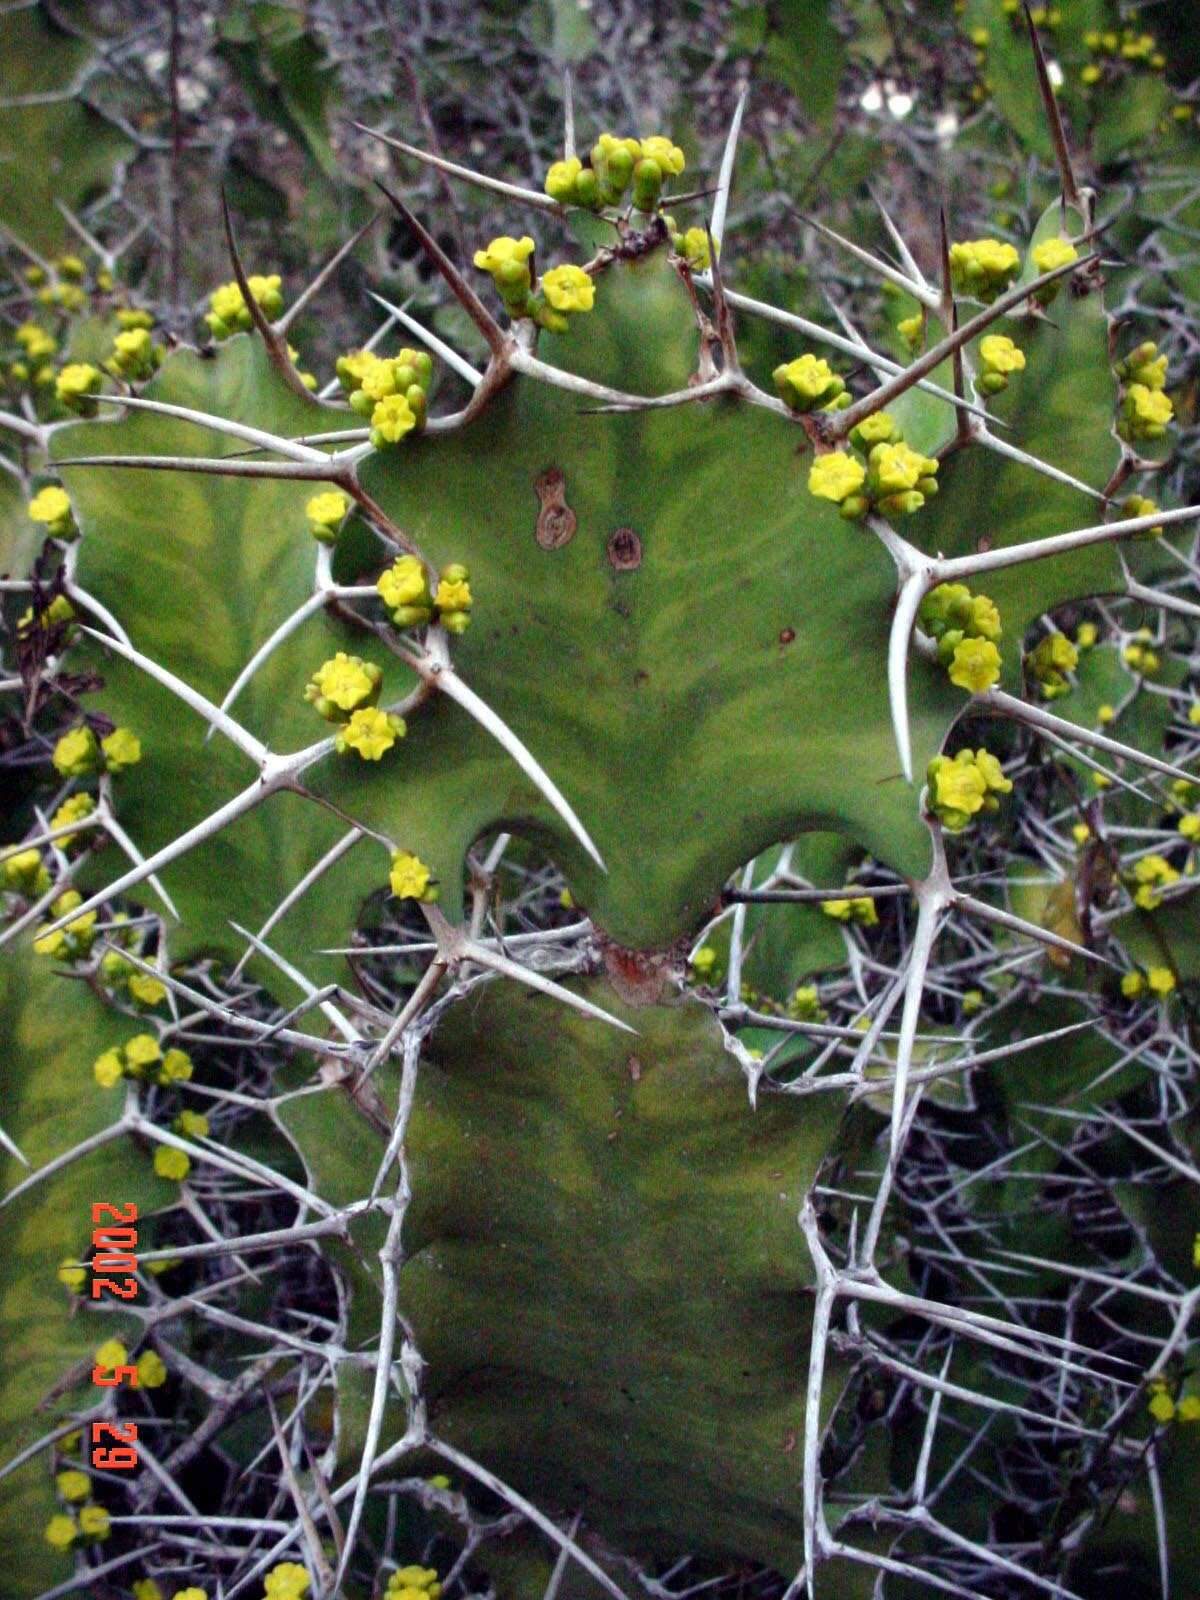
x,y
846,420
482,956
1058,134
251,796
531,197
439,347
1057,544
284,322
898,239
267,649
219,466
1006,919
1008,705
449,682
223,425
497,340
213,715
568,114
720,208
849,347
276,347
904,618
929,918
890,274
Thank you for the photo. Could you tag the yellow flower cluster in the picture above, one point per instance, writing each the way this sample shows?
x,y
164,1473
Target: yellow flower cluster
x,y
895,481
135,356
805,1004
413,1583
1158,981
692,246
983,268
1128,45
1163,1406
76,387
861,909
1046,257
967,630
1146,411
1151,875
25,873
615,164
999,358
142,1058
963,785
404,589
79,754
229,313
809,383
563,292
74,941
1139,657
390,391
288,1580
1049,662
51,507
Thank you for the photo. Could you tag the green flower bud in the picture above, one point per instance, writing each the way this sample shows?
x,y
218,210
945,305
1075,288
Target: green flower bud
x,y
647,185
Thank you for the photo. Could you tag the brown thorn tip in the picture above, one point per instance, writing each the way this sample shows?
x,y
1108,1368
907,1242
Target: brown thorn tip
x,y
471,303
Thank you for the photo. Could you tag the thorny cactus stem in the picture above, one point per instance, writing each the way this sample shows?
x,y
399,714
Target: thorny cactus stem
x,y
839,473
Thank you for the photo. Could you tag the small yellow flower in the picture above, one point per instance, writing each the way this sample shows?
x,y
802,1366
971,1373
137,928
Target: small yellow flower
x,y
1081,833
142,1051
1161,981
976,665
122,748
692,245
404,583
569,288
287,1581
1052,253
1161,1406
25,872
73,1484
1189,826
73,809
1133,985
560,179
1086,635
146,990
859,909
110,1355
1189,1408
835,477
192,1125
171,1163
60,1531
94,1522
453,595
669,156
371,733
342,685
146,1589
897,467
807,381
410,878
176,1067
972,1002
108,1069
72,1274
1000,354
77,753
391,419
983,267
76,384
37,344
189,1594
1147,412
325,513
151,1370
52,507
503,250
